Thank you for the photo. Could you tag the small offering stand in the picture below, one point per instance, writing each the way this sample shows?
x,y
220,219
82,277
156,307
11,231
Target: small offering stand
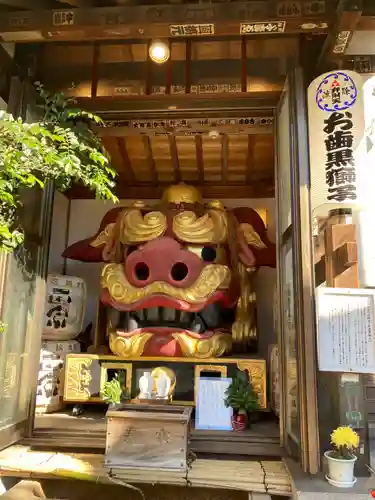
x,y
147,435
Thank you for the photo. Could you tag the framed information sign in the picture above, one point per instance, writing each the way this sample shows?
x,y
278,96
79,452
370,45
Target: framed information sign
x,y
211,412
345,320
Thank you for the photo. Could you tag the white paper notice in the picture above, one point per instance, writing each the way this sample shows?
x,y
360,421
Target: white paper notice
x,y
210,412
346,330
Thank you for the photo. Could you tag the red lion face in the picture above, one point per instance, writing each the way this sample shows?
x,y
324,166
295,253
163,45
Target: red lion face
x,y
171,274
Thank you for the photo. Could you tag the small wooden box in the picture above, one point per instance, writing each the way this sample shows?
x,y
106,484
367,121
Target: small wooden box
x,y
148,436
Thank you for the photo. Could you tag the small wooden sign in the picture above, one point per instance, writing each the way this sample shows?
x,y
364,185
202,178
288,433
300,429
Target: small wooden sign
x,y
261,28
63,18
346,330
342,40
211,413
192,29
289,9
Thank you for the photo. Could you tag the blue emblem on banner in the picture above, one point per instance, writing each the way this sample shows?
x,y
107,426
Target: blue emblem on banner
x,y
336,92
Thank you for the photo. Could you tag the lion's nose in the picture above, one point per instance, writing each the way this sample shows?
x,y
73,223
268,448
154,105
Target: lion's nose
x,y
163,260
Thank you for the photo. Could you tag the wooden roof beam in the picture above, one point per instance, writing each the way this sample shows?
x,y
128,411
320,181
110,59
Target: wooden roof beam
x,y
165,21
150,158
224,156
6,71
149,191
250,156
348,15
26,4
127,170
174,158
181,105
78,3
199,157
132,130
367,21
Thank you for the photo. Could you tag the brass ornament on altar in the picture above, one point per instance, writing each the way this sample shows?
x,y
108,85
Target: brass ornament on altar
x,y
181,194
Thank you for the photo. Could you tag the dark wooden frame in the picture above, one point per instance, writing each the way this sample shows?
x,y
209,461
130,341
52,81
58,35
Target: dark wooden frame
x,y
155,21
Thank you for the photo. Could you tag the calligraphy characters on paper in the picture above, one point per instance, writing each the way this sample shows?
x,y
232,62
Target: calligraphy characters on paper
x,y
176,279
336,94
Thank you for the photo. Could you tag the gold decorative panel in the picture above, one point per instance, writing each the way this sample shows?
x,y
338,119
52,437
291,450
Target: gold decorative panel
x,y
77,379
257,372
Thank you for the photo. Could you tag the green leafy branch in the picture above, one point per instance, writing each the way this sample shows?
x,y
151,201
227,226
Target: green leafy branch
x,y
114,391
61,147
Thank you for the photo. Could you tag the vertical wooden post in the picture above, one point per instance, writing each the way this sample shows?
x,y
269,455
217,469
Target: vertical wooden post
x,y
95,69
169,70
148,85
341,396
188,44
243,64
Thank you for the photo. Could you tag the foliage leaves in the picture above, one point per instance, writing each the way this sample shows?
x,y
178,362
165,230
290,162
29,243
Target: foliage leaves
x,y
114,391
240,395
61,147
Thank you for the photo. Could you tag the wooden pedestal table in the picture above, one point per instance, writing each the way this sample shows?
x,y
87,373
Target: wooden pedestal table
x,y
148,436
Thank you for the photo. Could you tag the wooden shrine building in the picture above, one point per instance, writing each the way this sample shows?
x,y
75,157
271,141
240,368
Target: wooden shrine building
x,y
226,114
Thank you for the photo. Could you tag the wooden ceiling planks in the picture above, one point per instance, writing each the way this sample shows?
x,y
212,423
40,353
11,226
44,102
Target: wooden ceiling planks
x,y
202,159
122,69
162,159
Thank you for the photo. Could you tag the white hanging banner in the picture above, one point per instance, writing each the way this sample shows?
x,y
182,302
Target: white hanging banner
x,y
364,218
336,136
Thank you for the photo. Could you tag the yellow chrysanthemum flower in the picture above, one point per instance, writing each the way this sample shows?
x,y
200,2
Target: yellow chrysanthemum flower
x,y
345,436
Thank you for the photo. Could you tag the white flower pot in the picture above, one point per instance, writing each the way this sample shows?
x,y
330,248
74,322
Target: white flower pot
x,y
341,472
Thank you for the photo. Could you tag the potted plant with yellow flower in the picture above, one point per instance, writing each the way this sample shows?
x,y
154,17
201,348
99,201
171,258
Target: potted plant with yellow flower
x,y
342,458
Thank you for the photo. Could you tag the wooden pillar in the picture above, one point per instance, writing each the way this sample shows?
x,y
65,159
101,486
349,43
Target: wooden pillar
x,y
341,396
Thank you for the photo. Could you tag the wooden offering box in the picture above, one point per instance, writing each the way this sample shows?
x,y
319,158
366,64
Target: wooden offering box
x,y
148,436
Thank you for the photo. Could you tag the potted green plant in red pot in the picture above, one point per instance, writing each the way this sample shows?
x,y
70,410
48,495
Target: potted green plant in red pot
x,y
241,397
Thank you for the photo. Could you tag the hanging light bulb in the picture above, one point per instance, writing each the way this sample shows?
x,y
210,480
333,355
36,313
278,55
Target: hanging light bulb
x,y
159,52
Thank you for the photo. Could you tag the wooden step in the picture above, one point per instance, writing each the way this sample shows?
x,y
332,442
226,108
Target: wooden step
x,y
62,430
245,475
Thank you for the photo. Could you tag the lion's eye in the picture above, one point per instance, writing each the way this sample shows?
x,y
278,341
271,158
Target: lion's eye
x,y
208,254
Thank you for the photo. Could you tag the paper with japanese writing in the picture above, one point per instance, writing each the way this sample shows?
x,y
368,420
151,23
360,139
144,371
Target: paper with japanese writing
x,y
337,139
211,412
346,330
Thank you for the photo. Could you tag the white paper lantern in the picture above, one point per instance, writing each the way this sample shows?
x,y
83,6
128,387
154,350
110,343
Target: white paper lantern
x,y
64,307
